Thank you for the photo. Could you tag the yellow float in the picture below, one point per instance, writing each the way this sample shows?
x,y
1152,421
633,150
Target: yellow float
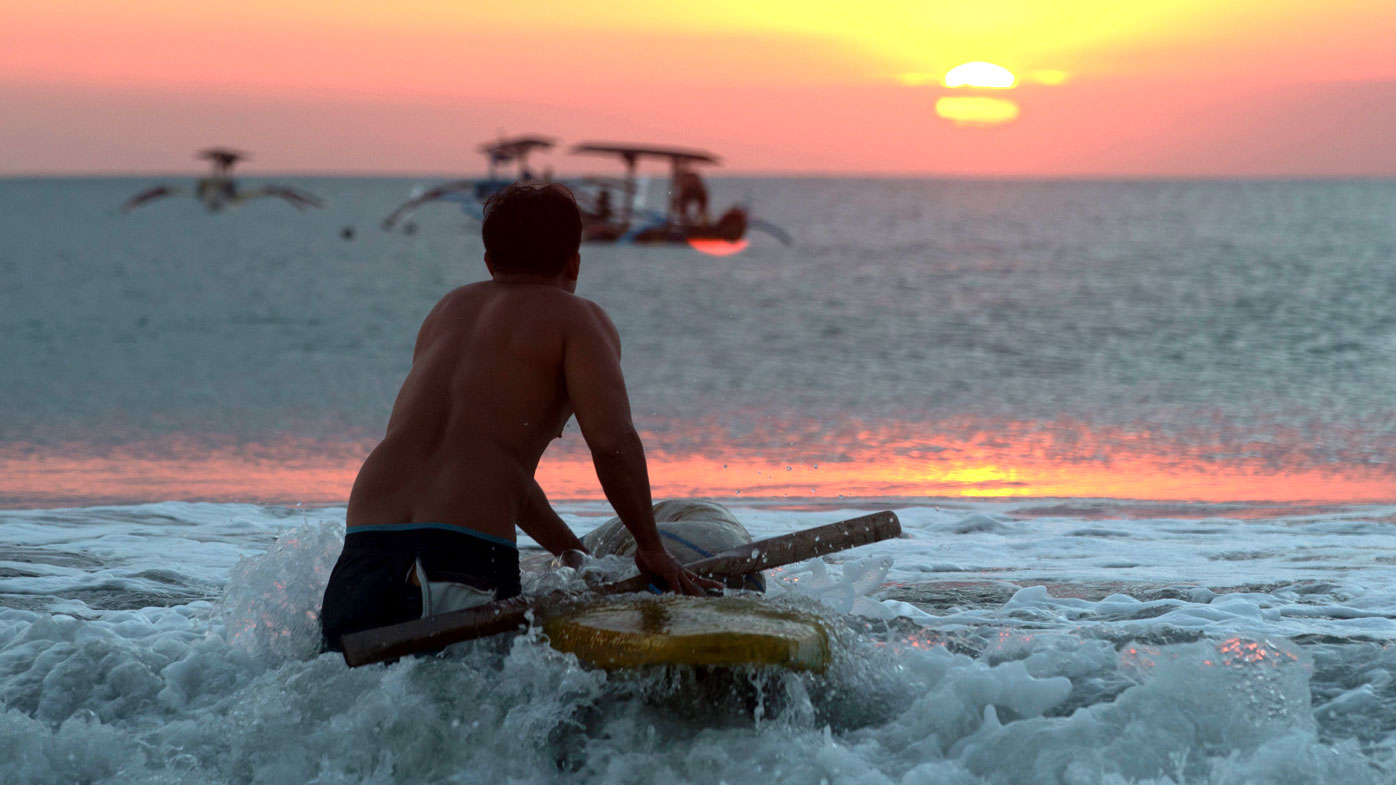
x,y
632,632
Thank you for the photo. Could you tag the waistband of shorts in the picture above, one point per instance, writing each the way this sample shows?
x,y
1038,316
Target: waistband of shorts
x,y
454,528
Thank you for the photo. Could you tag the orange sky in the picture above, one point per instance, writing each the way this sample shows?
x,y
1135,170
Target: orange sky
x,y
1174,88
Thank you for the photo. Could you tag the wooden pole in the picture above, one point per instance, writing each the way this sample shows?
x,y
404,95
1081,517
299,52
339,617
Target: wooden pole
x,y
436,632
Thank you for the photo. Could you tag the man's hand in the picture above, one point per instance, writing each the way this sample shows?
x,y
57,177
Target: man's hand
x,y
574,558
657,563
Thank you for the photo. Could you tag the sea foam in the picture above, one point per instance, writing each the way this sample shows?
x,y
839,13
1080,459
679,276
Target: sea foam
x,y
1068,680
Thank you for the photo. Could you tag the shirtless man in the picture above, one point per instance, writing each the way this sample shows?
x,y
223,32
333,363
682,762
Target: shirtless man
x,y
499,367
689,191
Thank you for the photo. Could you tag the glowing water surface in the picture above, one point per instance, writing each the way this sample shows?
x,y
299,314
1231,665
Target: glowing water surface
x,y
1167,340
1001,461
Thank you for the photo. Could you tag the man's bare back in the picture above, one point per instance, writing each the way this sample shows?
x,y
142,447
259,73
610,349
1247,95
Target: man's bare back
x,y
487,392
497,370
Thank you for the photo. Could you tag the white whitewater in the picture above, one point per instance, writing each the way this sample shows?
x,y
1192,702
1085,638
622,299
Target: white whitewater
x,y
997,642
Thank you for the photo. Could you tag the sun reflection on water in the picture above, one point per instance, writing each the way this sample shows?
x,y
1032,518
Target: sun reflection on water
x,y
791,460
976,110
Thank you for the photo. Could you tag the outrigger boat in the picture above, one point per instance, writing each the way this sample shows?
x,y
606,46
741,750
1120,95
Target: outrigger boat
x,y
685,218
218,189
471,195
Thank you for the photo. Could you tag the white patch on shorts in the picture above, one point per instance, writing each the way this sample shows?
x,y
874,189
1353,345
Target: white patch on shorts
x,y
447,596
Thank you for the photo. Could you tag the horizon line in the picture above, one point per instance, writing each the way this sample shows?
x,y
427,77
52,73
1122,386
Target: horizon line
x,y
748,174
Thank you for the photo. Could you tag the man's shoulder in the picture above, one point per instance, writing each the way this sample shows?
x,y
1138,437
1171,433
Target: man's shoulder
x,y
589,306
559,302
571,304
481,291
594,313
461,293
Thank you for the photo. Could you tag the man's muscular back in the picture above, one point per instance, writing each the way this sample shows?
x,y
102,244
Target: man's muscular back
x,y
488,390
498,368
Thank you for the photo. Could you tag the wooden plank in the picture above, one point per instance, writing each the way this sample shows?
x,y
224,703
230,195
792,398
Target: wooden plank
x,y
441,630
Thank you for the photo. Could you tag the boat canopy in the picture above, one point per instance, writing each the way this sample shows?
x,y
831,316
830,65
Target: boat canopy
x,y
631,153
517,147
223,158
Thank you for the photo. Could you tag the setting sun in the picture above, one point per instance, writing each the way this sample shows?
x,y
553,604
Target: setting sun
x,y
978,110
980,74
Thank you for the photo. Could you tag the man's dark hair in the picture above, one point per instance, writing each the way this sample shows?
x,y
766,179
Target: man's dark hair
x,y
532,228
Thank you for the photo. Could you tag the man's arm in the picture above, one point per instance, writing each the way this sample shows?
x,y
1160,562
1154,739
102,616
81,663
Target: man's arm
x,y
596,390
539,521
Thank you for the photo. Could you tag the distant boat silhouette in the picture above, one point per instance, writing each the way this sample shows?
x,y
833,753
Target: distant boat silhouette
x,y
685,220
472,194
218,189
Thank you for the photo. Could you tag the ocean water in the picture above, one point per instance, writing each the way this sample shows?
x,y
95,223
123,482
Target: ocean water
x,y
1138,434
1213,340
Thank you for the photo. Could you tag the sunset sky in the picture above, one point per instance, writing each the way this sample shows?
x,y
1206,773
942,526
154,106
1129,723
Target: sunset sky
x,y
1168,88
